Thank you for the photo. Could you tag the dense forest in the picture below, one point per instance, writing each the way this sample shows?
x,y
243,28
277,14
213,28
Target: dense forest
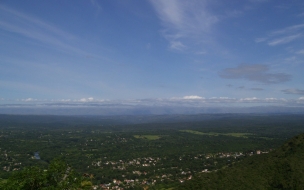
x,y
280,169
155,152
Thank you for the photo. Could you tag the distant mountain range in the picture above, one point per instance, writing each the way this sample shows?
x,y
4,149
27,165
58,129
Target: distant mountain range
x,y
143,110
96,120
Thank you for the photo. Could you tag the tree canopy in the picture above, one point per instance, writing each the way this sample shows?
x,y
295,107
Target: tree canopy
x,y
58,175
280,169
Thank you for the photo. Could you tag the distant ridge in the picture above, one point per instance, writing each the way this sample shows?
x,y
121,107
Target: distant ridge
x,y
280,169
143,110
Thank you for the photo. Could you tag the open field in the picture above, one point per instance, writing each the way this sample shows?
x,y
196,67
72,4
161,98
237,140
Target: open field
x,y
243,135
148,137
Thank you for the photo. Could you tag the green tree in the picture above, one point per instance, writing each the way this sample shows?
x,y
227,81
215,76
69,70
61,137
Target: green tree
x,y
59,175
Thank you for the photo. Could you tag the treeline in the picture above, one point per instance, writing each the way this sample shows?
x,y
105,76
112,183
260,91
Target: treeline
x,y
241,122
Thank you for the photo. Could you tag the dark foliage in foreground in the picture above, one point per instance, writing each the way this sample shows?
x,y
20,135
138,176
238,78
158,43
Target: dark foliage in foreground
x,y
280,169
57,176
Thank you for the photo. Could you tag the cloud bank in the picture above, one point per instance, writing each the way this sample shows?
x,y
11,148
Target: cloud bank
x,y
190,100
258,73
191,104
293,91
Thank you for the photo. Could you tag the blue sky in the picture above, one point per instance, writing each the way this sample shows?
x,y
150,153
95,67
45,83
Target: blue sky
x,y
152,52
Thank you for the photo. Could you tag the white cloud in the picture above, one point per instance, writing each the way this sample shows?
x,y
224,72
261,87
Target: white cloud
x,y
301,98
224,98
65,100
177,45
193,97
86,99
28,100
184,20
249,99
271,99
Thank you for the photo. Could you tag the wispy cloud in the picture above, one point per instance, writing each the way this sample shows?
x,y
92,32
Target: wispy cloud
x,y
34,22
284,40
293,91
283,36
177,45
183,20
300,51
257,72
288,30
38,30
96,4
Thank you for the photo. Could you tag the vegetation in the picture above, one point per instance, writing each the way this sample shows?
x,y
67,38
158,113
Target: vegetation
x,y
57,176
148,137
244,135
281,169
166,152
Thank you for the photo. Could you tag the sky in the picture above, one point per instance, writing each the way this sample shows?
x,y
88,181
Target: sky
x,y
199,53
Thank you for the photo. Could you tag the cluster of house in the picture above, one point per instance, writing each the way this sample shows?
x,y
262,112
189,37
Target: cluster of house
x,y
10,163
233,154
149,161
122,165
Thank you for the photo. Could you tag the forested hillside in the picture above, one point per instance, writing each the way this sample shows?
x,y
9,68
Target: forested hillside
x,y
280,169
